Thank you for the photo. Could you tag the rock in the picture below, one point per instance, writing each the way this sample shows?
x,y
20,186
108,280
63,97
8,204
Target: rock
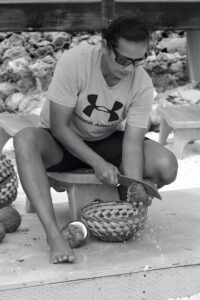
x,y
6,89
173,45
43,51
152,57
61,40
43,43
174,56
95,39
193,96
14,100
42,71
162,56
176,67
34,38
54,35
1,102
50,36
27,81
15,52
14,40
49,60
24,103
3,35
19,64
32,103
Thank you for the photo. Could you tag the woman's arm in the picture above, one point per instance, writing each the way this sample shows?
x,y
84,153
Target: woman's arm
x,y
59,124
133,152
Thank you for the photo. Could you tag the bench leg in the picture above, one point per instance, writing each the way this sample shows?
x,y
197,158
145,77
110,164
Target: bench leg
x,y
80,195
182,137
193,54
4,137
165,129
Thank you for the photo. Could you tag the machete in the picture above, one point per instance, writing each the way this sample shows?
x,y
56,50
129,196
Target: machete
x,y
149,188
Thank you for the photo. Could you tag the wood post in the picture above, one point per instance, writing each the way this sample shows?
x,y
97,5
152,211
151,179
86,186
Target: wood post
x,y
193,55
107,12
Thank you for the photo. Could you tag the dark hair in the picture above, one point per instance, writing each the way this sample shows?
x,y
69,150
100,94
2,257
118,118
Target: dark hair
x,y
127,27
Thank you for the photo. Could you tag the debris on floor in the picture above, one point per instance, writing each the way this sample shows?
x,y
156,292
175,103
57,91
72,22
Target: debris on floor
x,y
194,297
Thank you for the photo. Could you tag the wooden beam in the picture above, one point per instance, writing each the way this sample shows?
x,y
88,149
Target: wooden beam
x,y
82,15
67,1
163,14
71,16
44,1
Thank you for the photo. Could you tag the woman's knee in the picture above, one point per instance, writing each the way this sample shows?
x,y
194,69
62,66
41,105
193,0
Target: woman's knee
x,y
160,164
168,167
25,139
36,142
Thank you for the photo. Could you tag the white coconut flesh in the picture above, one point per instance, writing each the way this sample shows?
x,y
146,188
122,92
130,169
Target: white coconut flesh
x,y
82,226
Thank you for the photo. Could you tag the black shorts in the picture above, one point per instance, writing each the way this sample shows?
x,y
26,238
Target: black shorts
x,y
109,148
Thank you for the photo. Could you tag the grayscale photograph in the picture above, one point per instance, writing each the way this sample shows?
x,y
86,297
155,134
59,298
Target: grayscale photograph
x,y
100,149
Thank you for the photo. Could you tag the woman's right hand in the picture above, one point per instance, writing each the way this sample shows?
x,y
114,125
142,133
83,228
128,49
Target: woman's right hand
x,y
107,173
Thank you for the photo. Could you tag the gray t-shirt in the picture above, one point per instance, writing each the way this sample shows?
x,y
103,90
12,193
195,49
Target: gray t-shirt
x,y
99,109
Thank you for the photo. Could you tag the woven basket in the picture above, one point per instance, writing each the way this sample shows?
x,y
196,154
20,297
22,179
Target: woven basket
x,y
114,221
8,182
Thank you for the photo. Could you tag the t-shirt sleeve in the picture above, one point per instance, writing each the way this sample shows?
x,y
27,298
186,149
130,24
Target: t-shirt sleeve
x,y
140,108
63,88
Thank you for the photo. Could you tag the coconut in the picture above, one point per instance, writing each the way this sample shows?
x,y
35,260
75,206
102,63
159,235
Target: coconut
x,y
10,218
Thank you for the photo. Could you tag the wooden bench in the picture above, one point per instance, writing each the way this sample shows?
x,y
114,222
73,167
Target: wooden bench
x,y
184,121
81,186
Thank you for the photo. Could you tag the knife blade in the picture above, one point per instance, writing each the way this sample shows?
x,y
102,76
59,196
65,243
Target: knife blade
x,y
150,189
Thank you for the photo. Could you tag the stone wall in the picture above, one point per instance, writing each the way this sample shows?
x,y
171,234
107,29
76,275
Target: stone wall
x,y
28,61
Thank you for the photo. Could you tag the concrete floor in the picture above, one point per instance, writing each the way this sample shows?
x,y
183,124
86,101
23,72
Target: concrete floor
x,y
171,239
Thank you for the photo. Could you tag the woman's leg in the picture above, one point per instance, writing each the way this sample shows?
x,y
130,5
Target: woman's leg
x,y
35,151
160,164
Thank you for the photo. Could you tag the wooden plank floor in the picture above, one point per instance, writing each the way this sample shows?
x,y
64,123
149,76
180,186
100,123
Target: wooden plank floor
x,y
163,262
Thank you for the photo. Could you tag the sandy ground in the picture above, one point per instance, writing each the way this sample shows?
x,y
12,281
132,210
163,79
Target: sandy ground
x,y
188,167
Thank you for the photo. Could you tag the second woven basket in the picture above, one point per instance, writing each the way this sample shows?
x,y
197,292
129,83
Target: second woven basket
x,y
8,181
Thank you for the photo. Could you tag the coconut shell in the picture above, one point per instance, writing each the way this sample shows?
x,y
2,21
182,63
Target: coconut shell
x,y
10,218
74,234
2,232
136,193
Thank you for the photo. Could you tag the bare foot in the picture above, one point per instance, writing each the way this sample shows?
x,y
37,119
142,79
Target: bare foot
x,y
60,251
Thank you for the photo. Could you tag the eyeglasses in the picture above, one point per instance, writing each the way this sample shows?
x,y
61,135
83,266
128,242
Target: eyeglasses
x,y
126,61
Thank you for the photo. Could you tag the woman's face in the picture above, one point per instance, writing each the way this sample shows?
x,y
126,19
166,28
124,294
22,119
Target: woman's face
x,y
125,57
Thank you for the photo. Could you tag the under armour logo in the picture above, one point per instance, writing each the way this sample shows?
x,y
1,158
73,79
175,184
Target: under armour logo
x,y
92,99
